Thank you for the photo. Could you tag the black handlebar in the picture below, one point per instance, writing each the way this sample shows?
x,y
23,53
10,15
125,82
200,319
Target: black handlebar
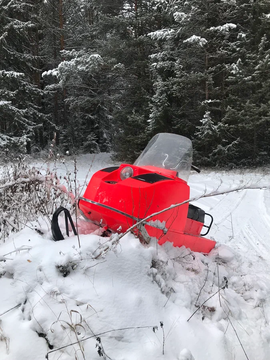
x,y
195,168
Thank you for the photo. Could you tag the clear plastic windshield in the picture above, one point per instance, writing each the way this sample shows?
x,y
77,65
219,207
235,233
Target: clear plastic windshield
x,y
168,151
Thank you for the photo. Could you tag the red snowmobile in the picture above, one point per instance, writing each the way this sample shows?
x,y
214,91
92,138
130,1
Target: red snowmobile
x,y
120,196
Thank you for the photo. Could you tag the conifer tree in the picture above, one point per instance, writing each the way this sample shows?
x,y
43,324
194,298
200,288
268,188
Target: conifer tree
x,y
246,116
83,76
20,89
132,113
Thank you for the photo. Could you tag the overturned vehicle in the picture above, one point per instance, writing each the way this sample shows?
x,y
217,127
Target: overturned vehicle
x,y
118,197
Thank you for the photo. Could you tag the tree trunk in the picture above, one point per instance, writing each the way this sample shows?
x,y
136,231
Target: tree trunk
x,y
61,24
206,72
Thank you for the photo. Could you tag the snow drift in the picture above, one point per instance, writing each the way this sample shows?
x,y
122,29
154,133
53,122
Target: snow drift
x,y
132,301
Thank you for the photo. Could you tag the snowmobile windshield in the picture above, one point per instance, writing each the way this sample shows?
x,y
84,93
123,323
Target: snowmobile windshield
x,y
168,151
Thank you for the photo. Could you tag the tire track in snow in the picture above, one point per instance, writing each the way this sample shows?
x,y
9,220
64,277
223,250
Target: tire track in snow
x,y
216,183
267,201
244,214
257,230
227,207
250,225
224,208
226,214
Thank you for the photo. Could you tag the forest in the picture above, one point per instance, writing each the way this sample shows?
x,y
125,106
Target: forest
x,y
106,75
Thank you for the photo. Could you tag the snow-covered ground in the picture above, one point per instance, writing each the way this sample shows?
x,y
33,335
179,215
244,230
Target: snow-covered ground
x,y
131,301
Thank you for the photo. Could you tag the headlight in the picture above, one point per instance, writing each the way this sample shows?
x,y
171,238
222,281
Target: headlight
x,y
126,172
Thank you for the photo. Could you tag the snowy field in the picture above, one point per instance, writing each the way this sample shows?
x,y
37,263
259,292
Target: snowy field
x,y
136,302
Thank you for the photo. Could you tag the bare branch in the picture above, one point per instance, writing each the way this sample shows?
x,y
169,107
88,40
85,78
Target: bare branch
x,y
97,335
14,307
210,297
195,198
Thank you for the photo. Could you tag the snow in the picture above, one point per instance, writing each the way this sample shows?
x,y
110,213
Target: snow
x,y
224,28
82,61
180,16
3,102
11,74
161,34
194,39
234,68
53,72
132,301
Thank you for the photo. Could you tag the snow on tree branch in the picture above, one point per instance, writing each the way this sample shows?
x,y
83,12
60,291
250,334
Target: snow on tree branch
x,y
224,28
161,34
194,39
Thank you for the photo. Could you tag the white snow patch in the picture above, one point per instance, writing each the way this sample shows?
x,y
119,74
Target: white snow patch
x,y
224,28
180,16
137,299
161,34
3,102
194,39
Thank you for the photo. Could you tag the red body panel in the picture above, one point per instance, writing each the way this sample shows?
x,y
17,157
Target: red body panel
x,y
118,204
193,227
